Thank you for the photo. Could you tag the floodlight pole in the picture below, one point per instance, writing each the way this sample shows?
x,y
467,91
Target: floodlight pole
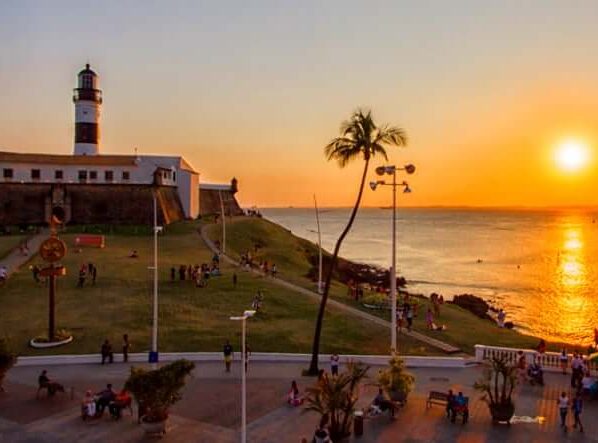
x,y
155,313
223,247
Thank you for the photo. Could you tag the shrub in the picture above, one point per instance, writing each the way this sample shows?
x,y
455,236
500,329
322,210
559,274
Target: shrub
x,y
394,379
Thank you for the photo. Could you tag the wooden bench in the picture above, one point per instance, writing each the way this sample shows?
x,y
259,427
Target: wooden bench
x,y
437,398
90,240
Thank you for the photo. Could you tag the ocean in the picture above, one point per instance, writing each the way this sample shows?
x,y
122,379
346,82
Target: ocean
x,y
541,267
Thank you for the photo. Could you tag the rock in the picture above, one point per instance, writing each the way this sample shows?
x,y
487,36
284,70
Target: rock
x,y
473,304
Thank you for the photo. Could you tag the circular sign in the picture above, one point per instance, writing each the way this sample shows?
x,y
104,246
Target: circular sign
x,y
52,249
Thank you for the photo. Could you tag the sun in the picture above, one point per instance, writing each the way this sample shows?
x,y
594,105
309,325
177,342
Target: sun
x,y
572,155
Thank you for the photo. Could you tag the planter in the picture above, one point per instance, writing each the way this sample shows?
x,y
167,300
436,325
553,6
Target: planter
x,y
502,412
398,397
34,343
154,428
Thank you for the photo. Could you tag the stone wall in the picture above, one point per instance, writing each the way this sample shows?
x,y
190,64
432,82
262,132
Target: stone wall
x,y
88,204
209,202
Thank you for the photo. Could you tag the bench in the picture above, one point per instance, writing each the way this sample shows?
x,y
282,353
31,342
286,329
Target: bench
x,y
437,398
90,240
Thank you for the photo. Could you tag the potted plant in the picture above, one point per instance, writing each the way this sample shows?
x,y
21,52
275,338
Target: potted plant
x,y
497,384
7,360
334,398
395,380
156,391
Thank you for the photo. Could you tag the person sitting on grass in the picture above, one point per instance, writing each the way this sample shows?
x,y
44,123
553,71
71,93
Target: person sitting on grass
x,y
294,397
134,254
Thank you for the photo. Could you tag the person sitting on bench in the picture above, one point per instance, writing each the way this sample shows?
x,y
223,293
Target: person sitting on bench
x,y
450,403
382,404
121,401
104,398
461,406
44,382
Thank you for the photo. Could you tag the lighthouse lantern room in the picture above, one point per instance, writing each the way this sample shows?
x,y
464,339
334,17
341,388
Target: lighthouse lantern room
x,y
88,100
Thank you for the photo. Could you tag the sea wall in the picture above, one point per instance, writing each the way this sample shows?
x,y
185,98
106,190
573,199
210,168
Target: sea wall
x,y
209,202
23,203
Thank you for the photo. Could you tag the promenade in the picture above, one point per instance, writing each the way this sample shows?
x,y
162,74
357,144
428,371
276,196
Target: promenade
x,y
210,409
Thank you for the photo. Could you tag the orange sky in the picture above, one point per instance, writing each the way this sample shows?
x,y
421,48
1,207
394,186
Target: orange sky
x,y
256,93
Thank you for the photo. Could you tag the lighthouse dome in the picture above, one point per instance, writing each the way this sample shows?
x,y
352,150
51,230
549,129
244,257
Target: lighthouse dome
x,y
88,71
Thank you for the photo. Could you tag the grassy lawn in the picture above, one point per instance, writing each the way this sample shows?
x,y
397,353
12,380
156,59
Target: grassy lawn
x,y
290,253
9,242
191,319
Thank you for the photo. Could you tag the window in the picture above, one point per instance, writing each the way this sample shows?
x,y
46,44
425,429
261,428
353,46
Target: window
x,y
93,175
126,175
108,176
58,174
35,174
7,173
82,175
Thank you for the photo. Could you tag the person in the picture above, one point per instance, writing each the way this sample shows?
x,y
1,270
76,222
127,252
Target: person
x,y
107,353
104,397
35,270
576,369
400,315
88,406
577,408
589,385
3,274
381,404
172,274
535,373
521,365
564,360
234,280
247,354
274,270
82,274
228,355
541,348
44,382
121,400
500,318
334,360
563,404
294,396
134,254
321,435
126,348
450,405
94,274
460,406
430,319
409,316
182,272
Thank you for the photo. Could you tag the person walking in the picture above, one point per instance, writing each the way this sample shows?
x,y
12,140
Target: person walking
x,y
228,355
409,316
126,348
400,315
564,360
94,274
234,280
334,361
577,408
82,274
563,403
172,274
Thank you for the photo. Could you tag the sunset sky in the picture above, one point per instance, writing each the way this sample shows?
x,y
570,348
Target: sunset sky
x,y
256,89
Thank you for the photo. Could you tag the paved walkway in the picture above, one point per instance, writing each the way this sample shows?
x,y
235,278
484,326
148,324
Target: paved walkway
x,y
210,409
449,349
14,260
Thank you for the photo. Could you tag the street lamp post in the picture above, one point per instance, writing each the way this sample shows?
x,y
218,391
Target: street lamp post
x,y
392,170
243,319
319,246
223,247
153,358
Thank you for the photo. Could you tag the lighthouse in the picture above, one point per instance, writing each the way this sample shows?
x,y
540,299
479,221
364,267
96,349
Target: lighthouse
x,y
88,100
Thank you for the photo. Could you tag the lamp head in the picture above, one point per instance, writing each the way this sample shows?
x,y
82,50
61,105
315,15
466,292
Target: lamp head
x,y
373,185
248,314
406,189
381,170
410,169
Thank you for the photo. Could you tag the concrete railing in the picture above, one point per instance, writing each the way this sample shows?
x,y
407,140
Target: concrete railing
x,y
374,360
550,361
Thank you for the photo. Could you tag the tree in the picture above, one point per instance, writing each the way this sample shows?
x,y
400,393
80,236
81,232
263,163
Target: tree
x,y
334,398
360,138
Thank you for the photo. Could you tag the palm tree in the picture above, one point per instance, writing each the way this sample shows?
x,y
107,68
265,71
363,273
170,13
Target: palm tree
x,y
360,138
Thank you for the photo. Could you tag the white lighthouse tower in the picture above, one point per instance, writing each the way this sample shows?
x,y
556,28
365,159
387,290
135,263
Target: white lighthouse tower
x,y
88,100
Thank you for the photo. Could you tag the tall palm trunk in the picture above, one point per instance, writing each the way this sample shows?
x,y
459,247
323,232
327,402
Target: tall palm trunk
x,y
313,367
